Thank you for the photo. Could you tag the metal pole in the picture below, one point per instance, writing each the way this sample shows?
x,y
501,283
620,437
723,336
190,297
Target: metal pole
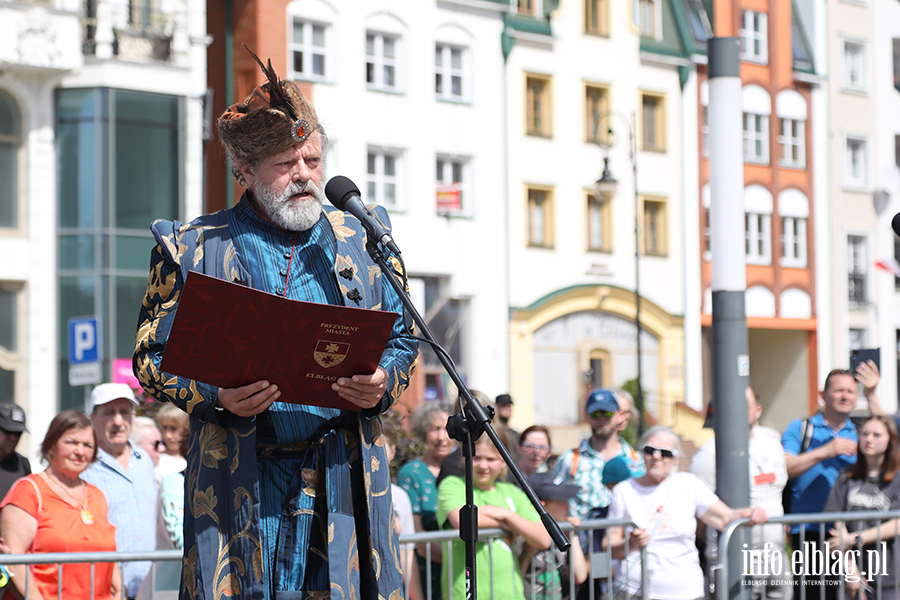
x,y
731,362
631,125
639,388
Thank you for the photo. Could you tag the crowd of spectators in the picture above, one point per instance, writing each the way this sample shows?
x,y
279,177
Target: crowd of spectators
x,y
116,481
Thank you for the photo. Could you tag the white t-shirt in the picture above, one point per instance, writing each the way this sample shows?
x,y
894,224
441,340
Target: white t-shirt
x,y
403,510
768,476
669,512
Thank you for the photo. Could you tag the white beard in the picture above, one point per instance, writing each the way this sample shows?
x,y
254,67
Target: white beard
x,y
293,215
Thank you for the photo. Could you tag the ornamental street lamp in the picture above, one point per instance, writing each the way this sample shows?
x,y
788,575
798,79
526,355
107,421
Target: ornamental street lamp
x,y
604,190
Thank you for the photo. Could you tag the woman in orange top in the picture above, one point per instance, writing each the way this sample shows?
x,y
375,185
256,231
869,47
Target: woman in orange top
x,y
56,511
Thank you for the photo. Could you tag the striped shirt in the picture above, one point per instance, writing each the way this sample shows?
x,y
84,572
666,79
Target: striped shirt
x,y
131,496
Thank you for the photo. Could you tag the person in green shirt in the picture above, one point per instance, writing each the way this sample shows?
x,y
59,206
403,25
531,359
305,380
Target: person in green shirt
x,y
500,505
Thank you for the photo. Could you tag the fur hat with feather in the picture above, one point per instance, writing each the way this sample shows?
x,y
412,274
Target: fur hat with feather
x,y
275,116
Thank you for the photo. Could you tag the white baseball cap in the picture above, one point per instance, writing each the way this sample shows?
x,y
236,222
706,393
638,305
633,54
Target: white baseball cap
x,y
107,392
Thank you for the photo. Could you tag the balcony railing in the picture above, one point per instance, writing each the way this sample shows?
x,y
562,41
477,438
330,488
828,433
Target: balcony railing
x,y
130,29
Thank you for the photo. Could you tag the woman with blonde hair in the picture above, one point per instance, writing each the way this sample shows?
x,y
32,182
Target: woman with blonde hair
x,y
175,426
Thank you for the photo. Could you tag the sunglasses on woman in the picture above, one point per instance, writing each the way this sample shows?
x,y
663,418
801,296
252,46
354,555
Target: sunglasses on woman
x,y
536,447
663,452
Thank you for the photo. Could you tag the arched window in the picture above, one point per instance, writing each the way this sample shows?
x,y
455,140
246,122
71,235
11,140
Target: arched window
x,y
10,142
757,106
758,224
793,206
790,107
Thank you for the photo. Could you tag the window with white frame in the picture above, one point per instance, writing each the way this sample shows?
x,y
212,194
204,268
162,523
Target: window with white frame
x,y
758,225
309,50
383,177
857,271
791,109
10,142
645,16
855,72
793,143
453,185
450,82
755,37
856,162
793,206
757,106
10,353
382,58
758,237
793,242
756,138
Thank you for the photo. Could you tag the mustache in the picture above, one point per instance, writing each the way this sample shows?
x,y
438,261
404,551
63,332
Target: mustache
x,y
300,187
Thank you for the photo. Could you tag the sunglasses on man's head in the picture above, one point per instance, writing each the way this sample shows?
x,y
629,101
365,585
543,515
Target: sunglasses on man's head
x,y
602,414
663,452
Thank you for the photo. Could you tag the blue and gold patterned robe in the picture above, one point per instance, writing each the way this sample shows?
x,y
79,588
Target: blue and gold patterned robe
x,y
294,503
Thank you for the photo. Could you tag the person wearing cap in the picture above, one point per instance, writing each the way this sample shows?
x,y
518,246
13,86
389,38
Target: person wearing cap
x,y
503,405
124,472
615,471
12,464
545,573
267,477
583,465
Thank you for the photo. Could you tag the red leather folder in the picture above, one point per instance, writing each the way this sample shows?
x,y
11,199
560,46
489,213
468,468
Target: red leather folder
x,y
229,335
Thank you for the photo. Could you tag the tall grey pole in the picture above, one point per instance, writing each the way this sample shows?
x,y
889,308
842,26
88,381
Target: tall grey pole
x,y
731,361
639,387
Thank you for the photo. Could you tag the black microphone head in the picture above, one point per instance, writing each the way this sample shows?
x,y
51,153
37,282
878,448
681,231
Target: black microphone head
x,y
895,224
339,189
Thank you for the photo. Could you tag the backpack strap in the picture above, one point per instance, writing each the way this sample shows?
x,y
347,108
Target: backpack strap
x,y
806,435
574,468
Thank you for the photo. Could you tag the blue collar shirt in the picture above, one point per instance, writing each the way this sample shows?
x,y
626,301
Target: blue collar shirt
x,y
131,496
810,489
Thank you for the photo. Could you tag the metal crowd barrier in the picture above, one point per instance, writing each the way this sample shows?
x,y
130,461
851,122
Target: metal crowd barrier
x,y
600,569
801,561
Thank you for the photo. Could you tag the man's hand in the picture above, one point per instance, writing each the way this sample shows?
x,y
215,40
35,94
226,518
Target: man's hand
x,y
364,391
868,375
839,446
248,400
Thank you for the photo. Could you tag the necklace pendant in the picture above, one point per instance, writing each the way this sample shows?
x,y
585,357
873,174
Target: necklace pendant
x,y
86,517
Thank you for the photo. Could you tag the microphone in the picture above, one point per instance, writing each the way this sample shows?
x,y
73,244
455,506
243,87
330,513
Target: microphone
x,y
895,224
344,194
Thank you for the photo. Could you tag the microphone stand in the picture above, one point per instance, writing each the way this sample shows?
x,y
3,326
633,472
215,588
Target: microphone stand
x,y
467,426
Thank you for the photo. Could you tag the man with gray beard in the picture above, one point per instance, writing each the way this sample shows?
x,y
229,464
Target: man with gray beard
x,y
283,500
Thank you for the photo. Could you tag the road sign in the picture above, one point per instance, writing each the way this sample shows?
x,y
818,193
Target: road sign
x,y
85,374
84,352
83,340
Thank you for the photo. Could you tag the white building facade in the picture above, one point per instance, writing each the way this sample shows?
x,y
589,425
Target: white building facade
x,y
574,72
102,131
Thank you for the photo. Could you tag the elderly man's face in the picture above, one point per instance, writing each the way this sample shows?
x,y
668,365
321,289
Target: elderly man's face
x,y
112,422
288,185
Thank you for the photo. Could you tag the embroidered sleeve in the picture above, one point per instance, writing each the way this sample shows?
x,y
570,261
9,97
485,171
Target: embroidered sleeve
x,y
401,353
158,309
